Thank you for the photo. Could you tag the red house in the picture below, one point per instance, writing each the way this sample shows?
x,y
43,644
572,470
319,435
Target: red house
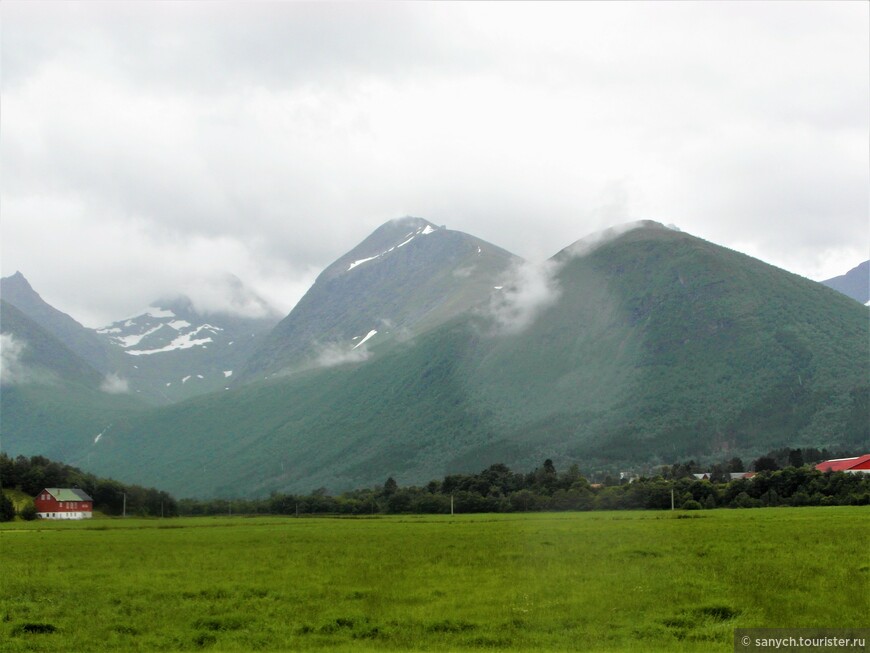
x,y
856,465
64,503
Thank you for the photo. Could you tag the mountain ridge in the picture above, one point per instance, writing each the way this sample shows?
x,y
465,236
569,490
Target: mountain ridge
x,y
635,347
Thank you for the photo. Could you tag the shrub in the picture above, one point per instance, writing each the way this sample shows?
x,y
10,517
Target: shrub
x,y
691,504
28,512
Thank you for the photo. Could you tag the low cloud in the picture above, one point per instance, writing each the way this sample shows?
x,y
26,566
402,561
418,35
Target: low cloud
x,y
228,294
530,289
114,385
335,354
12,370
593,241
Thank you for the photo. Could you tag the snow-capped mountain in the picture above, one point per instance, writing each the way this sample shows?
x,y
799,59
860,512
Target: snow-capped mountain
x,y
171,351
158,331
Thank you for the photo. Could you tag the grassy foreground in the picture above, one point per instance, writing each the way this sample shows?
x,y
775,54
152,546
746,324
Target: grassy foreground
x,y
637,581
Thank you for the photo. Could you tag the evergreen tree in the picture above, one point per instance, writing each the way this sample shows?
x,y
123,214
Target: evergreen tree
x,y
390,487
7,508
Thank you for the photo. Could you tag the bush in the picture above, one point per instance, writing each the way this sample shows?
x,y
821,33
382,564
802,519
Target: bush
x,y
28,512
691,504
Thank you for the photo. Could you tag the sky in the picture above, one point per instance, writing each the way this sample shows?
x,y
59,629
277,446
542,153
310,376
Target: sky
x,y
148,149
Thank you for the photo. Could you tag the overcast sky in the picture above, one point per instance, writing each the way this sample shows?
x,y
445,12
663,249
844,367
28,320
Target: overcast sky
x,y
149,148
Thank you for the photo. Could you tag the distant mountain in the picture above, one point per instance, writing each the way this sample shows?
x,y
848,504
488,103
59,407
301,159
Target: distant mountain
x,y
855,283
53,402
32,354
638,347
406,278
172,352
168,353
17,291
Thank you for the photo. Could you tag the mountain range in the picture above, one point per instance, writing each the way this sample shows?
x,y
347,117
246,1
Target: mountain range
x,y
426,351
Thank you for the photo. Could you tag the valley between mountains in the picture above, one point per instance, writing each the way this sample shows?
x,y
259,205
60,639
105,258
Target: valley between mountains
x,y
425,351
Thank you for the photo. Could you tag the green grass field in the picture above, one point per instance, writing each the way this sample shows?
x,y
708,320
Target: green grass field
x,y
628,581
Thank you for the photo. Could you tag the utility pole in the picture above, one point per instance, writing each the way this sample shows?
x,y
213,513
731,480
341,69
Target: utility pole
x,y
124,513
451,505
672,498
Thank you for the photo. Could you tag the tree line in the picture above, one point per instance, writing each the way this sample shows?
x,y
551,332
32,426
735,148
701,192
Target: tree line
x,y
31,475
495,489
499,489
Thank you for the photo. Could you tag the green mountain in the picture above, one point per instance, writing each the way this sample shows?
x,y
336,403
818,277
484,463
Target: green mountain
x,y
18,292
51,401
408,277
642,346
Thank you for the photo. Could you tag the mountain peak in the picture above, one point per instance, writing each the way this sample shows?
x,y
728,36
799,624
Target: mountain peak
x,y
595,240
16,283
405,278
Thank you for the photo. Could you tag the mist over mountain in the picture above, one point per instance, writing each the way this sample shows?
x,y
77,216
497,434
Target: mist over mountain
x,y
18,292
424,351
172,351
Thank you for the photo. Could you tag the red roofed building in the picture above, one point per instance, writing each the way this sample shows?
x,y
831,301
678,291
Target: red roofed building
x,y
63,503
856,465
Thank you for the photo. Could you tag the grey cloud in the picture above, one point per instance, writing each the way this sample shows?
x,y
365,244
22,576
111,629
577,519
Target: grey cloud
x,y
173,141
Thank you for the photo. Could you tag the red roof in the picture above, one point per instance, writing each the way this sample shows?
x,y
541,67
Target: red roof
x,y
845,464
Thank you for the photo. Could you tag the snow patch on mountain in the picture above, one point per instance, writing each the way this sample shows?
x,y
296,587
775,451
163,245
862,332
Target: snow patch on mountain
x,y
422,231
136,338
184,341
368,336
361,261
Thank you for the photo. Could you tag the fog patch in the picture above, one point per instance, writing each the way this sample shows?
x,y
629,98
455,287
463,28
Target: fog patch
x,y
529,289
115,385
228,294
12,370
334,354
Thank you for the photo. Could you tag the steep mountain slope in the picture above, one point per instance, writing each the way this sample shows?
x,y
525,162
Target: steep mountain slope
x,y
52,402
17,291
406,278
855,283
31,353
645,346
173,352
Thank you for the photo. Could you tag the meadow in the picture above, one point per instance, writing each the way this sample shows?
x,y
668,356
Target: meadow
x,y
602,581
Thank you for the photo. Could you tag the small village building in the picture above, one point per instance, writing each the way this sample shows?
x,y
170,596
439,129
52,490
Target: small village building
x,y
856,465
64,503
732,476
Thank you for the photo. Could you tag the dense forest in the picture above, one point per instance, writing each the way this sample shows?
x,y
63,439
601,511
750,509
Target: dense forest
x,y
784,477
